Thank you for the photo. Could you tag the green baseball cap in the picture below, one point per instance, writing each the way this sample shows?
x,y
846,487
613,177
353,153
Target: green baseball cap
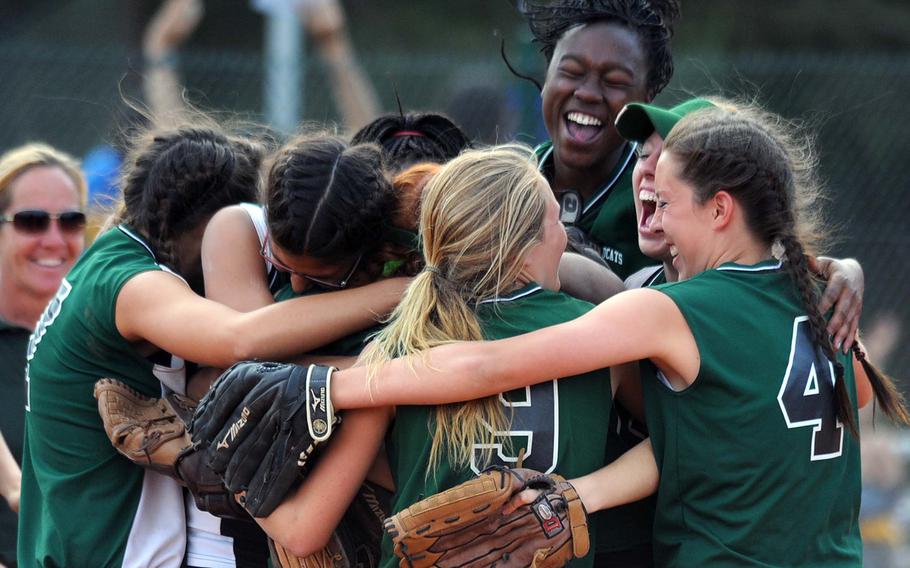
x,y
637,121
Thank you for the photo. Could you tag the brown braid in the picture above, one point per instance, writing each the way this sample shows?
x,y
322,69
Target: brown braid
x,y
893,401
326,199
750,155
178,178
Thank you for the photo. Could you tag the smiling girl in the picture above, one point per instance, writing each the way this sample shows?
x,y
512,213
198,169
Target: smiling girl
x,y
752,413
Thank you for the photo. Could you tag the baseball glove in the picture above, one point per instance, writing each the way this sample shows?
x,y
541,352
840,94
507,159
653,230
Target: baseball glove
x,y
464,526
260,424
151,432
355,542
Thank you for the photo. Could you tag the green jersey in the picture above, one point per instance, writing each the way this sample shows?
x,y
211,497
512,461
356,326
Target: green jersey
x,y
608,218
755,468
83,504
562,425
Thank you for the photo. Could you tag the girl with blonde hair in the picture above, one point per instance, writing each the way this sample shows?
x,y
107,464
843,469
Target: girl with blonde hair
x,y
752,412
492,242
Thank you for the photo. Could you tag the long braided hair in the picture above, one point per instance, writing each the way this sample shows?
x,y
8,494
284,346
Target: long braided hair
x,y
652,20
771,172
177,178
327,199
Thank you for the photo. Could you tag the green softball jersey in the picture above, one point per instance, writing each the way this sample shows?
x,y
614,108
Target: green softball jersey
x,y
608,218
83,503
755,469
562,425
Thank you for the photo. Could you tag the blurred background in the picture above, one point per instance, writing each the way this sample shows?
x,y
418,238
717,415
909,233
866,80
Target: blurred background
x,y
843,66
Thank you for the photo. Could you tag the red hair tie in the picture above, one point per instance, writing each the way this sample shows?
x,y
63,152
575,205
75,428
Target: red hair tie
x,y
408,133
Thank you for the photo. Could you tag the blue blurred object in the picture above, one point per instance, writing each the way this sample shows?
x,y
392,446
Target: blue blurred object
x,y
102,167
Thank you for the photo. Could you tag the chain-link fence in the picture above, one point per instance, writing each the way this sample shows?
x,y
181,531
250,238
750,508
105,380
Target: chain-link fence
x,y
72,98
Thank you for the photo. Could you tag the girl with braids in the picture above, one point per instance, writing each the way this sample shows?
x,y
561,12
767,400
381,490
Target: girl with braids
x,y
648,125
328,204
414,137
751,411
492,242
128,310
331,220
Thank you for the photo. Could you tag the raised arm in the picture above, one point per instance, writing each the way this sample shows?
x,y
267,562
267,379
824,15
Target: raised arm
x,y
634,325
174,22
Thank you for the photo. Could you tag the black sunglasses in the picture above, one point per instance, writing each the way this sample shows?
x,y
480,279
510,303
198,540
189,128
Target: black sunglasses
x,y
36,221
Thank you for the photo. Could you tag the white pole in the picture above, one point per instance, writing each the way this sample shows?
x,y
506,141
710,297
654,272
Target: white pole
x,y
284,69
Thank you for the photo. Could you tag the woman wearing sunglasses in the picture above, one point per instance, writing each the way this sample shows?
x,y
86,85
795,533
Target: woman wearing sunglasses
x,y
42,232
129,309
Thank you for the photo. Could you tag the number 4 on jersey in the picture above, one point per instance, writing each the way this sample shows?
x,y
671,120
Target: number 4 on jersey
x,y
807,397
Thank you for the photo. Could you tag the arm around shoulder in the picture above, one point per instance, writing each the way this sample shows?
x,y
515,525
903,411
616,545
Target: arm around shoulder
x,y
157,307
634,325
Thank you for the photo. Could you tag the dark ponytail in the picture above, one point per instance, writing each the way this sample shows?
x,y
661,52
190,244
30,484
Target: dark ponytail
x,y
411,138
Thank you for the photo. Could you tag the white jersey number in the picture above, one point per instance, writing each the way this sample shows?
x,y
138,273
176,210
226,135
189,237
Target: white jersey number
x,y
807,397
47,318
534,428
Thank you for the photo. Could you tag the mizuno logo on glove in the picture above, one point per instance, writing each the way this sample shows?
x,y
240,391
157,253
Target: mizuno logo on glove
x,y
235,429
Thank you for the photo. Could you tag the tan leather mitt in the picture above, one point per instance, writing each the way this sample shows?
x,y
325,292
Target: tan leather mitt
x,y
148,431
152,433
464,526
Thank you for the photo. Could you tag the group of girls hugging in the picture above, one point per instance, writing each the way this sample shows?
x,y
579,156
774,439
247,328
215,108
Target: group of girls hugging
x,y
431,273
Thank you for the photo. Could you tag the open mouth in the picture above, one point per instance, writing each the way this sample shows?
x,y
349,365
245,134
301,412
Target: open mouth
x,y
583,127
648,207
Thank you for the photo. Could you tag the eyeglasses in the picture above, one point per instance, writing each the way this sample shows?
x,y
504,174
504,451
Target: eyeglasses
x,y
337,284
37,221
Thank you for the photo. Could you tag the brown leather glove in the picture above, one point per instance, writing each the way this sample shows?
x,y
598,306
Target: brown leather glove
x,y
152,433
464,526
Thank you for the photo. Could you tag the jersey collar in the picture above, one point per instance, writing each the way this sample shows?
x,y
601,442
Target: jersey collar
x,y
546,167
528,290
769,265
131,234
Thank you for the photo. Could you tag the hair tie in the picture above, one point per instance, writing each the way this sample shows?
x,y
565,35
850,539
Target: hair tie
x,y
401,133
433,270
